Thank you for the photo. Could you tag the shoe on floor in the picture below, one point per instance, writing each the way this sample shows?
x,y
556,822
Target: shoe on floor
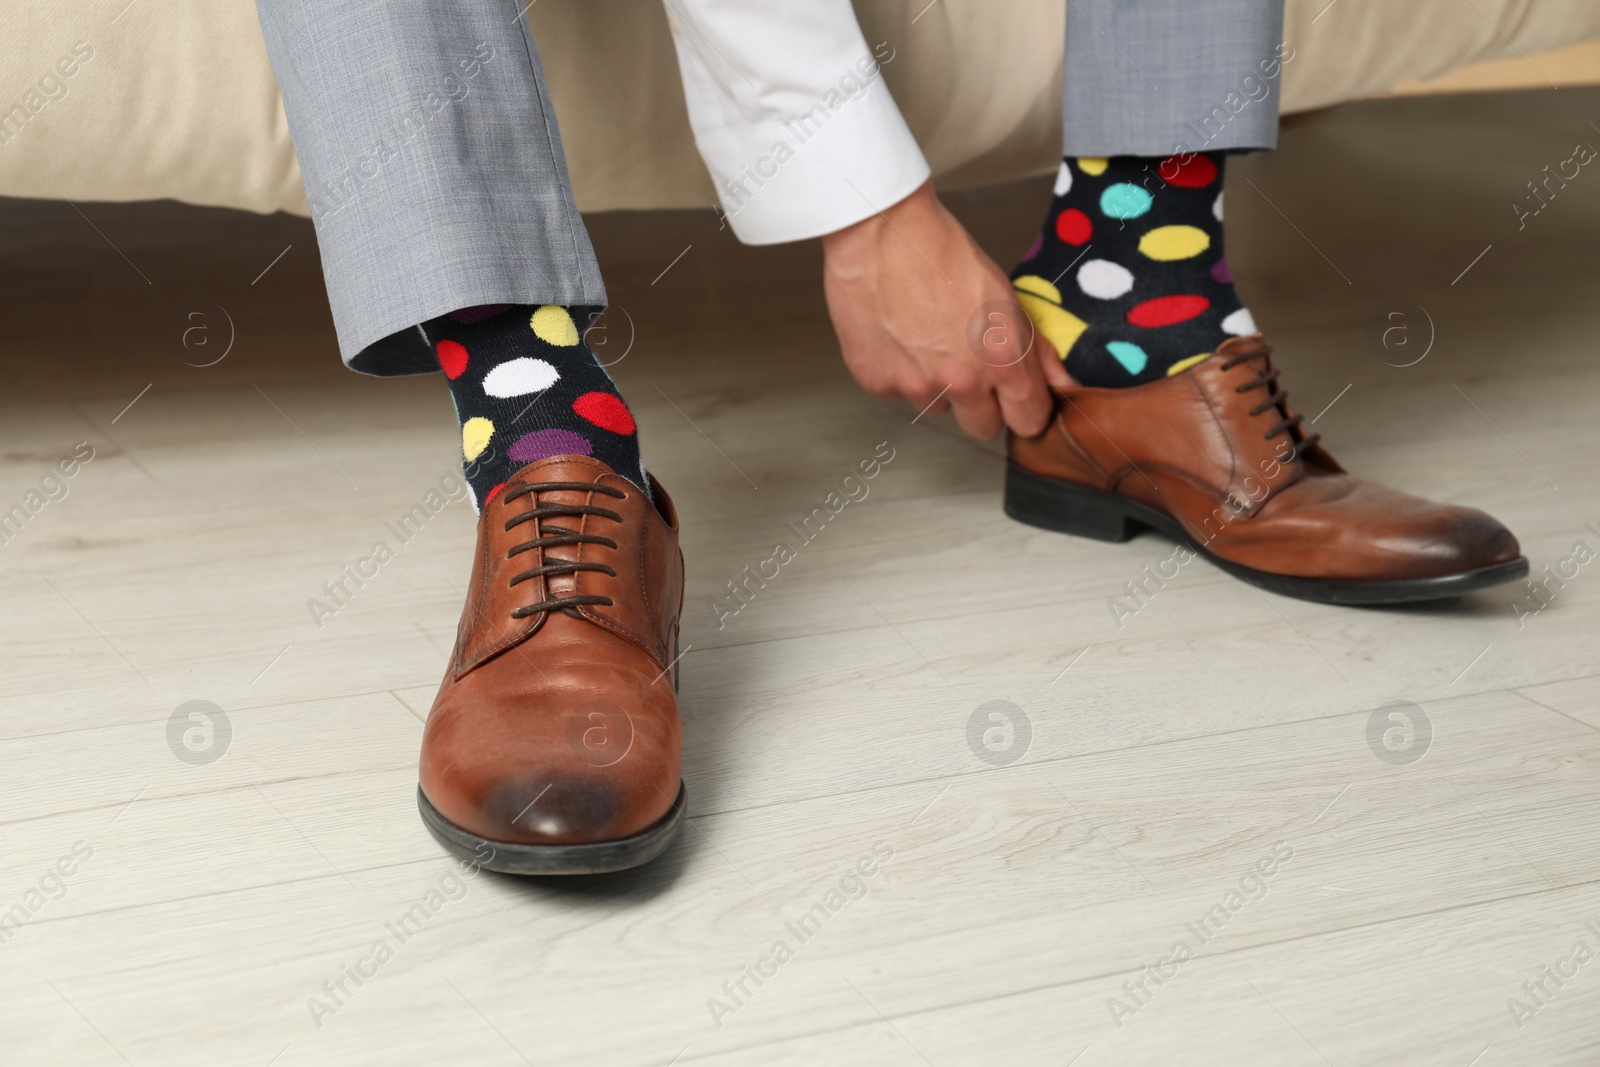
x,y
554,745
1214,458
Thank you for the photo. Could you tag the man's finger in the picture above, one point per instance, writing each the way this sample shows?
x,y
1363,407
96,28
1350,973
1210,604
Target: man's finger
x,y
937,406
1002,337
1027,406
1024,395
979,416
1054,367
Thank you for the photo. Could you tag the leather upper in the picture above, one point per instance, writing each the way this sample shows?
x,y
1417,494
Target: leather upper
x,y
559,724
1218,448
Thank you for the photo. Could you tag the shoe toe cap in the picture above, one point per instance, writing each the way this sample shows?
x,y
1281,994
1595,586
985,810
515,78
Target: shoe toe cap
x,y
1458,540
528,807
554,810
1486,541
535,772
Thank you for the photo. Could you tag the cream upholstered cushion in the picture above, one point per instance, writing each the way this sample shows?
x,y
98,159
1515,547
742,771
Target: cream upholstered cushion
x,y
176,99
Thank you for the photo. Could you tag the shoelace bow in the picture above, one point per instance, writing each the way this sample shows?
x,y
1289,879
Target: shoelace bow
x,y
1275,396
560,536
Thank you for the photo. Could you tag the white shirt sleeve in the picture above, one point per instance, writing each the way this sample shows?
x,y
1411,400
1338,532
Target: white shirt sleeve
x,y
791,115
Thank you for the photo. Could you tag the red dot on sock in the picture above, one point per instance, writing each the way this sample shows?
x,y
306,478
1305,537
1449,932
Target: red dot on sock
x,y
1167,310
605,411
1073,226
452,358
1196,172
493,491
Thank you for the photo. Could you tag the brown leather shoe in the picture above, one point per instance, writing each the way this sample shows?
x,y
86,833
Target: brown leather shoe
x,y
554,746
1214,458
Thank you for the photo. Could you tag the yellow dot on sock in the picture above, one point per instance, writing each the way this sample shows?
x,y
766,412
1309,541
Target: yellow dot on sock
x,y
552,325
1095,165
1167,243
475,434
1061,328
1032,283
1184,364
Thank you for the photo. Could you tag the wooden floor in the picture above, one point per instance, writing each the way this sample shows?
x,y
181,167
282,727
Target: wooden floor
x,y
1190,845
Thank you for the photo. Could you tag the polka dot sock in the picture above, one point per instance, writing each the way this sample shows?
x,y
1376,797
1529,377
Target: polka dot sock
x,y
1127,279
526,386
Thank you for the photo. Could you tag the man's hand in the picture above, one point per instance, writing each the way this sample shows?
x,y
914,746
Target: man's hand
x,y
923,313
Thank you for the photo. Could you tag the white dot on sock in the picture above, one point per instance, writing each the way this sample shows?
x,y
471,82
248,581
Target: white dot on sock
x,y
519,377
1216,208
1063,179
1240,323
1103,279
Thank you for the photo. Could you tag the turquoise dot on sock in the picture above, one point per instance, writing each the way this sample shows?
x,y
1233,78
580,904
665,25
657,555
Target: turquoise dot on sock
x,y
1130,355
1124,201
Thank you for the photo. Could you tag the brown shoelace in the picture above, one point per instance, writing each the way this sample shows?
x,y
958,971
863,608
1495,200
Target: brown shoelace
x,y
1275,397
560,536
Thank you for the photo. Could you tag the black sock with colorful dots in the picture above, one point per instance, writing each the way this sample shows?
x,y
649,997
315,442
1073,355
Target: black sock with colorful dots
x,y
1128,280
526,386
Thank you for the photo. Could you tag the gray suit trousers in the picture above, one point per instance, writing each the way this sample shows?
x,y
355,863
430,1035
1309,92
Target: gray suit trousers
x,y
434,169
432,162
1157,77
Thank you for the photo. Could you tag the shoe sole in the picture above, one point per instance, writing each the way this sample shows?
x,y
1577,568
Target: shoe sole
x,y
1052,504
600,857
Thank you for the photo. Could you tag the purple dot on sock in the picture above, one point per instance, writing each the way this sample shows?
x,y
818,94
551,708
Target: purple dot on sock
x,y
1220,271
478,313
1034,249
552,442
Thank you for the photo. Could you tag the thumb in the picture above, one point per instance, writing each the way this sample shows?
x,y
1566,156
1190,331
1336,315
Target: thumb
x,y
1054,367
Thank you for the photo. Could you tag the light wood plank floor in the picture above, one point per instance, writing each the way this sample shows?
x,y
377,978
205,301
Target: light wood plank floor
x,y
1023,912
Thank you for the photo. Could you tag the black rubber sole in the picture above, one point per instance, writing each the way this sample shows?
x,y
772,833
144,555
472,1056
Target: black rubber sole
x,y
1051,504
602,857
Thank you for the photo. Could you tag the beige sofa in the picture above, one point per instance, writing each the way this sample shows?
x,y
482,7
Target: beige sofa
x,y
117,101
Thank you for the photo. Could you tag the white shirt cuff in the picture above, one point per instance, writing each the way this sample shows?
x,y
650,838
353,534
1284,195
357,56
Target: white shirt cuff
x,y
791,115
819,172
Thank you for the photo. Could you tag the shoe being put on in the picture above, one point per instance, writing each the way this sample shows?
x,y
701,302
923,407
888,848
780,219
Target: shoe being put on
x,y
1215,458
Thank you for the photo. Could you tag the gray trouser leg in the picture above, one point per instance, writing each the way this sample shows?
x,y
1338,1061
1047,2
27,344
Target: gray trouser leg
x,y
1155,77
432,163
